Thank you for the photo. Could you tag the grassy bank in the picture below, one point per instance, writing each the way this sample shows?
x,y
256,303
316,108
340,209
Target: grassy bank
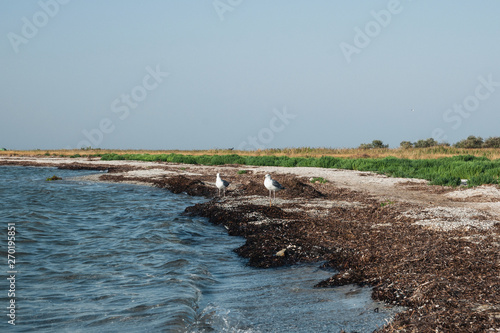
x,y
440,165
441,171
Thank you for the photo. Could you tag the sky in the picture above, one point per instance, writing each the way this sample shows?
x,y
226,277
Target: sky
x,y
246,74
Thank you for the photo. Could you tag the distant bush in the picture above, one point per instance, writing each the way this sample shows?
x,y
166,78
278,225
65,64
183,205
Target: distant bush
x,y
379,144
406,144
374,144
430,142
470,142
492,142
365,146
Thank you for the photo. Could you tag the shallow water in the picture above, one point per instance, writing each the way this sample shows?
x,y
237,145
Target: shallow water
x,y
99,257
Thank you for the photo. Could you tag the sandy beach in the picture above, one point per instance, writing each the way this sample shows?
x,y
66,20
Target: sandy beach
x,y
432,249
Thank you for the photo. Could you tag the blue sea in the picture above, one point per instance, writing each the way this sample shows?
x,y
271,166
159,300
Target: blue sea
x,y
101,257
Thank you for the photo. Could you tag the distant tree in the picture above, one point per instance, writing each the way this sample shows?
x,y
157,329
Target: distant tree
x,y
430,142
406,144
374,144
470,142
492,142
365,146
379,144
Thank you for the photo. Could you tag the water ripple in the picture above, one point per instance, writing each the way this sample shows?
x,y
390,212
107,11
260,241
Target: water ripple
x,y
110,257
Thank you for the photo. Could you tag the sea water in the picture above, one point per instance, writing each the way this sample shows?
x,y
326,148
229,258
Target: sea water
x,y
100,257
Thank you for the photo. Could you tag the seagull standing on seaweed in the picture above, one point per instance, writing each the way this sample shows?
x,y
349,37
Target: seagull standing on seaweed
x,y
273,186
221,184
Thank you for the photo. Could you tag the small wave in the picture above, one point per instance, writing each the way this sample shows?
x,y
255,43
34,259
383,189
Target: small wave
x,y
214,318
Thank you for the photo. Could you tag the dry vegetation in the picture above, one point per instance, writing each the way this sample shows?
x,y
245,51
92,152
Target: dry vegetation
x,y
411,153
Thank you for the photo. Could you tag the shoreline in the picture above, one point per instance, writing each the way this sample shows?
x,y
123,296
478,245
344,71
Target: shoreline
x,y
433,249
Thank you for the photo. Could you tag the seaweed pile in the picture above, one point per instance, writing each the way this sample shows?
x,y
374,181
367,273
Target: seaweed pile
x,y
449,281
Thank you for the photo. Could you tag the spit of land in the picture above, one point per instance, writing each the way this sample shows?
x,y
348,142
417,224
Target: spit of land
x,y
434,250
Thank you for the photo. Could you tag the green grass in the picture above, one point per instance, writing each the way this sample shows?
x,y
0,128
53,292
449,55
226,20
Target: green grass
x,y
242,172
386,203
320,180
441,171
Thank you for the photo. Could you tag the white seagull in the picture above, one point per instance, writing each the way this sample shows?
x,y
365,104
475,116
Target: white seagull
x,y
272,185
221,184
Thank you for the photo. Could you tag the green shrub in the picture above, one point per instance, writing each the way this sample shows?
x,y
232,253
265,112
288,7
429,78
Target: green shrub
x,y
482,179
430,142
446,181
406,144
470,142
492,142
374,144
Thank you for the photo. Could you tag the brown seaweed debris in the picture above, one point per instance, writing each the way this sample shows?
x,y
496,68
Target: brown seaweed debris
x,y
182,184
83,166
294,187
175,184
446,282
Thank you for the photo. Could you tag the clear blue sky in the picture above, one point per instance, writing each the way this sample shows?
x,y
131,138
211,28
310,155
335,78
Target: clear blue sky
x,y
160,74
